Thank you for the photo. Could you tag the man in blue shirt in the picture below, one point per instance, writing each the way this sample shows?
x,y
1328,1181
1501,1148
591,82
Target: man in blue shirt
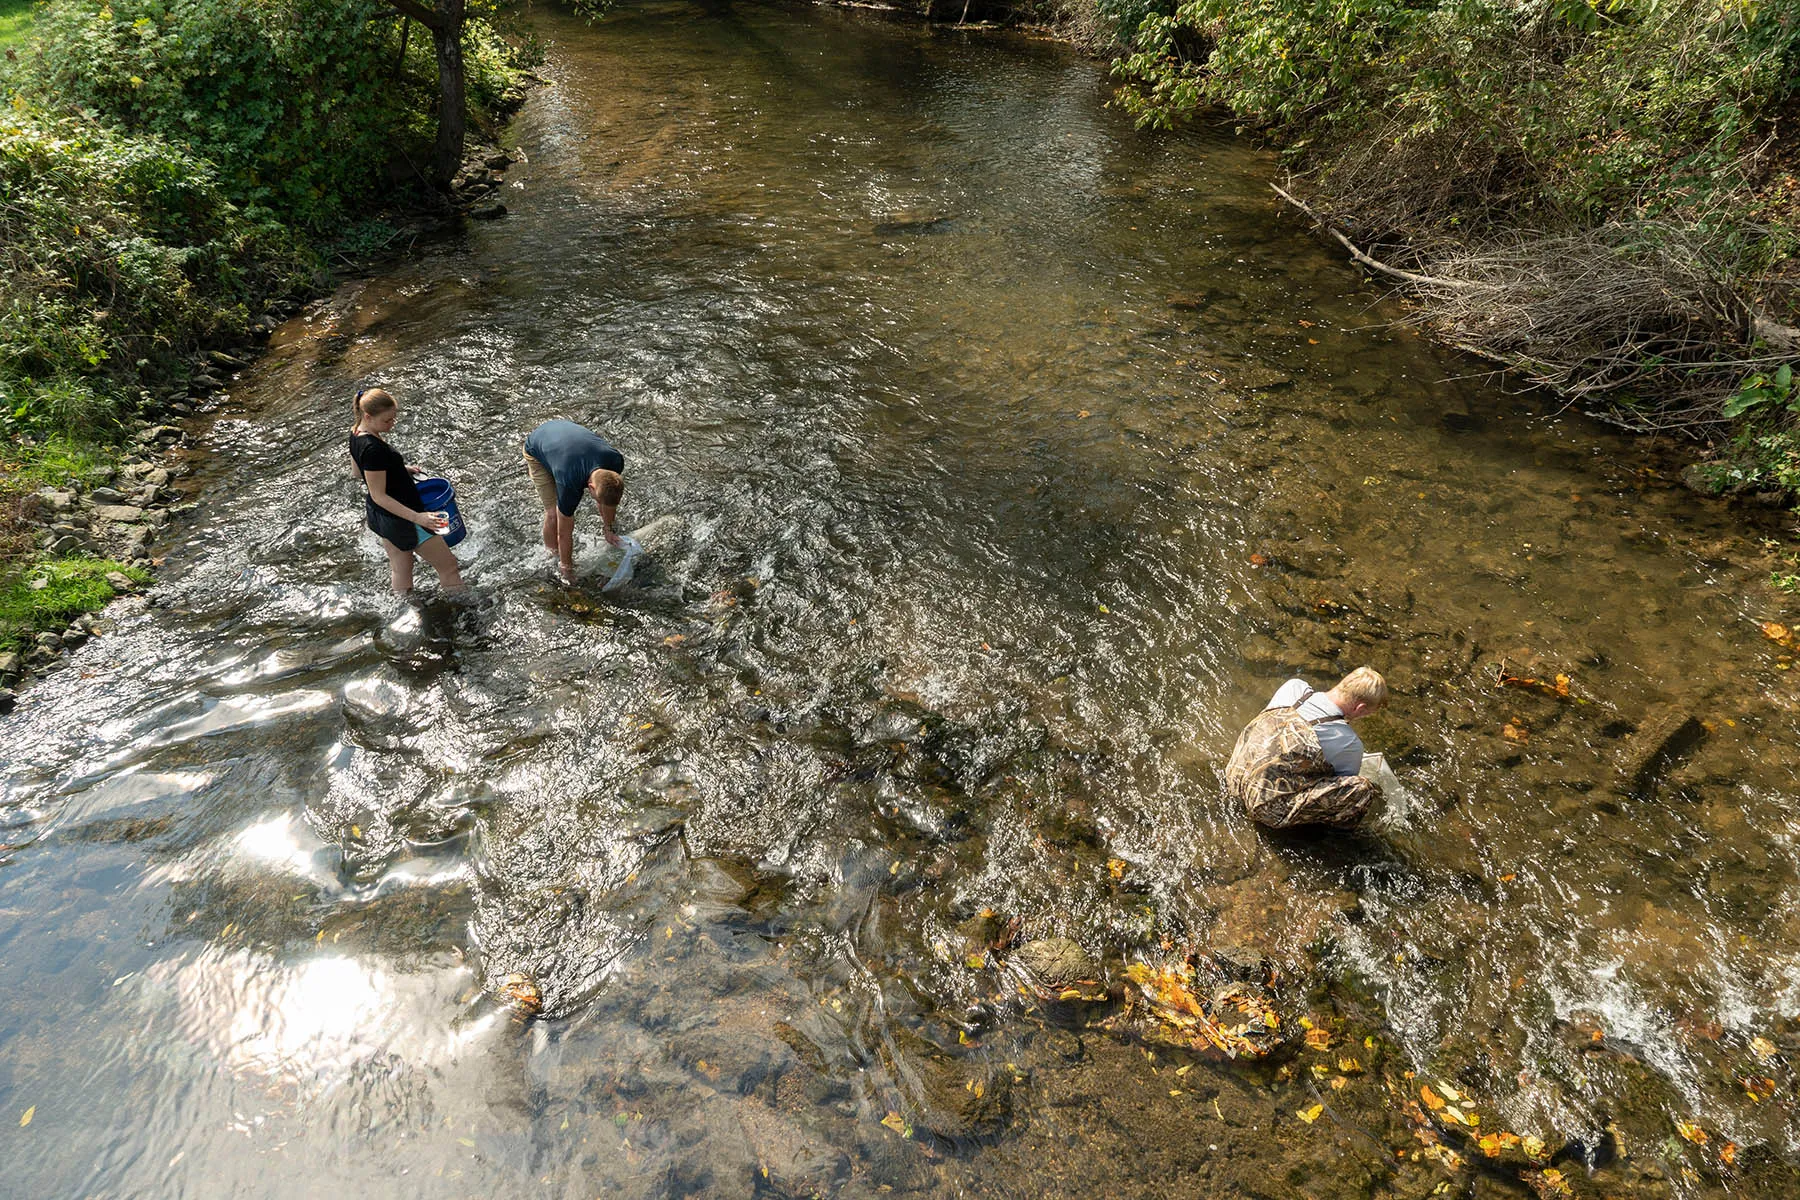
x,y
565,461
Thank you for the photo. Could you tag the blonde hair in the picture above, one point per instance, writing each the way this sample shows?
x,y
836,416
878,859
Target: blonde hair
x,y
368,402
609,487
1364,684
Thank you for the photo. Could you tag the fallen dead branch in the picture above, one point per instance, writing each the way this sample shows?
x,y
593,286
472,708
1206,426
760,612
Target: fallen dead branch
x,y
1637,318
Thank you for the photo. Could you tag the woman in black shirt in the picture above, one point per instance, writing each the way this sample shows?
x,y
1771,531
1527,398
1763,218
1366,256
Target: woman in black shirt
x,y
392,506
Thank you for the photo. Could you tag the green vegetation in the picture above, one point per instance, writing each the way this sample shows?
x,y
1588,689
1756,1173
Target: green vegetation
x,y
118,254
1602,194
169,166
15,18
50,593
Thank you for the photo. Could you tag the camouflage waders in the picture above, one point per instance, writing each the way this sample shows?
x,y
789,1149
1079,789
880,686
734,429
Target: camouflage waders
x,y
1279,771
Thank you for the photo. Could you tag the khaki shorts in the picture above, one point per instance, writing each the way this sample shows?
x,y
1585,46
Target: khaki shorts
x,y
543,480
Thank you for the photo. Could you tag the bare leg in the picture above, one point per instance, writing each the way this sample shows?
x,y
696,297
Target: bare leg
x,y
439,556
400,567
550,530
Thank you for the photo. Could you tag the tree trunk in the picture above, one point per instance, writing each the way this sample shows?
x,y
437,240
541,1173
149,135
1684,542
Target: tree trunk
x,y
446,156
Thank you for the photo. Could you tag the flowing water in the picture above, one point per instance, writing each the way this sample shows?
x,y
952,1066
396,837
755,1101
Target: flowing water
x,y
998,462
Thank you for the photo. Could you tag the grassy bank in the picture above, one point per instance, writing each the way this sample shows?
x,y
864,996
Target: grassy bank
x,y
1601,195
167,170
15,18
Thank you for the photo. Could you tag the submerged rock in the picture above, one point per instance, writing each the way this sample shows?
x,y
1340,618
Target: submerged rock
x,y
1259,379
913,223
952,1098
1666,734
522,995
1057,966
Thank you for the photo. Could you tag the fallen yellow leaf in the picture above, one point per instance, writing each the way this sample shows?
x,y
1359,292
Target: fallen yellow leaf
x,y
1765,1049
26,1119
1309,1115
1318,1039
1692,1133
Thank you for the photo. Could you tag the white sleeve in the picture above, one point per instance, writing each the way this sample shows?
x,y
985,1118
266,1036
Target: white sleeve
x,y
1287,694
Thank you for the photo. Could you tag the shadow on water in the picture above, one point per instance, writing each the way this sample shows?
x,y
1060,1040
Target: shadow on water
x,y
1011,459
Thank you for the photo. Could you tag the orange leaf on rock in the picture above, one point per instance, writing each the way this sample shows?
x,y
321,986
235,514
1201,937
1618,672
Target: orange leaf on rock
x,y
1692,1133
1318,1039
1432,1100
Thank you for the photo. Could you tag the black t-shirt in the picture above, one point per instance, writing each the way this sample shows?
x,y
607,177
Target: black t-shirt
x,y
370,453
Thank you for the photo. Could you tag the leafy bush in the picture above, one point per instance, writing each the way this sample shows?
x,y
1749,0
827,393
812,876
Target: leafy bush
x,y
292,102
163,164
116,253
301,105
1125,17
1597,107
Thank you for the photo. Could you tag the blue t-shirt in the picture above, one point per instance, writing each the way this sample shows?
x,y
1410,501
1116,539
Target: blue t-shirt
x,y
571,453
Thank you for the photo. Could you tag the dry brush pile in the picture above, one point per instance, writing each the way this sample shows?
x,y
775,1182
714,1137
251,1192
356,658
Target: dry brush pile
x,y
1603,195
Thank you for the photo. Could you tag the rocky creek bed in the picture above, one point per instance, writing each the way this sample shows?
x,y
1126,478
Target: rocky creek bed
x,y
995,464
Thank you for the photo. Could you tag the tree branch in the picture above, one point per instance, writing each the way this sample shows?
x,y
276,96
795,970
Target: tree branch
x,y
428,17
1373,264
1784,339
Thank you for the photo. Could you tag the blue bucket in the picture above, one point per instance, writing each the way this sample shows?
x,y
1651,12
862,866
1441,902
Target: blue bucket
x,y
439,496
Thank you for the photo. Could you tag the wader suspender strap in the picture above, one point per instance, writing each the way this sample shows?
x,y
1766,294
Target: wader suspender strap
x,y
1304,697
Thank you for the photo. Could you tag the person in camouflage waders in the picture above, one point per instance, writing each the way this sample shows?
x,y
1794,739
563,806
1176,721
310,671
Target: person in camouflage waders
x,y
1297,762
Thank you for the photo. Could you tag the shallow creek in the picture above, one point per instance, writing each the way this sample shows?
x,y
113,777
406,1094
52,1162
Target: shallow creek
x,y
998,463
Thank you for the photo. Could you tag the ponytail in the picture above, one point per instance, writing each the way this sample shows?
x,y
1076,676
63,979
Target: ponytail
x,y
368,402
